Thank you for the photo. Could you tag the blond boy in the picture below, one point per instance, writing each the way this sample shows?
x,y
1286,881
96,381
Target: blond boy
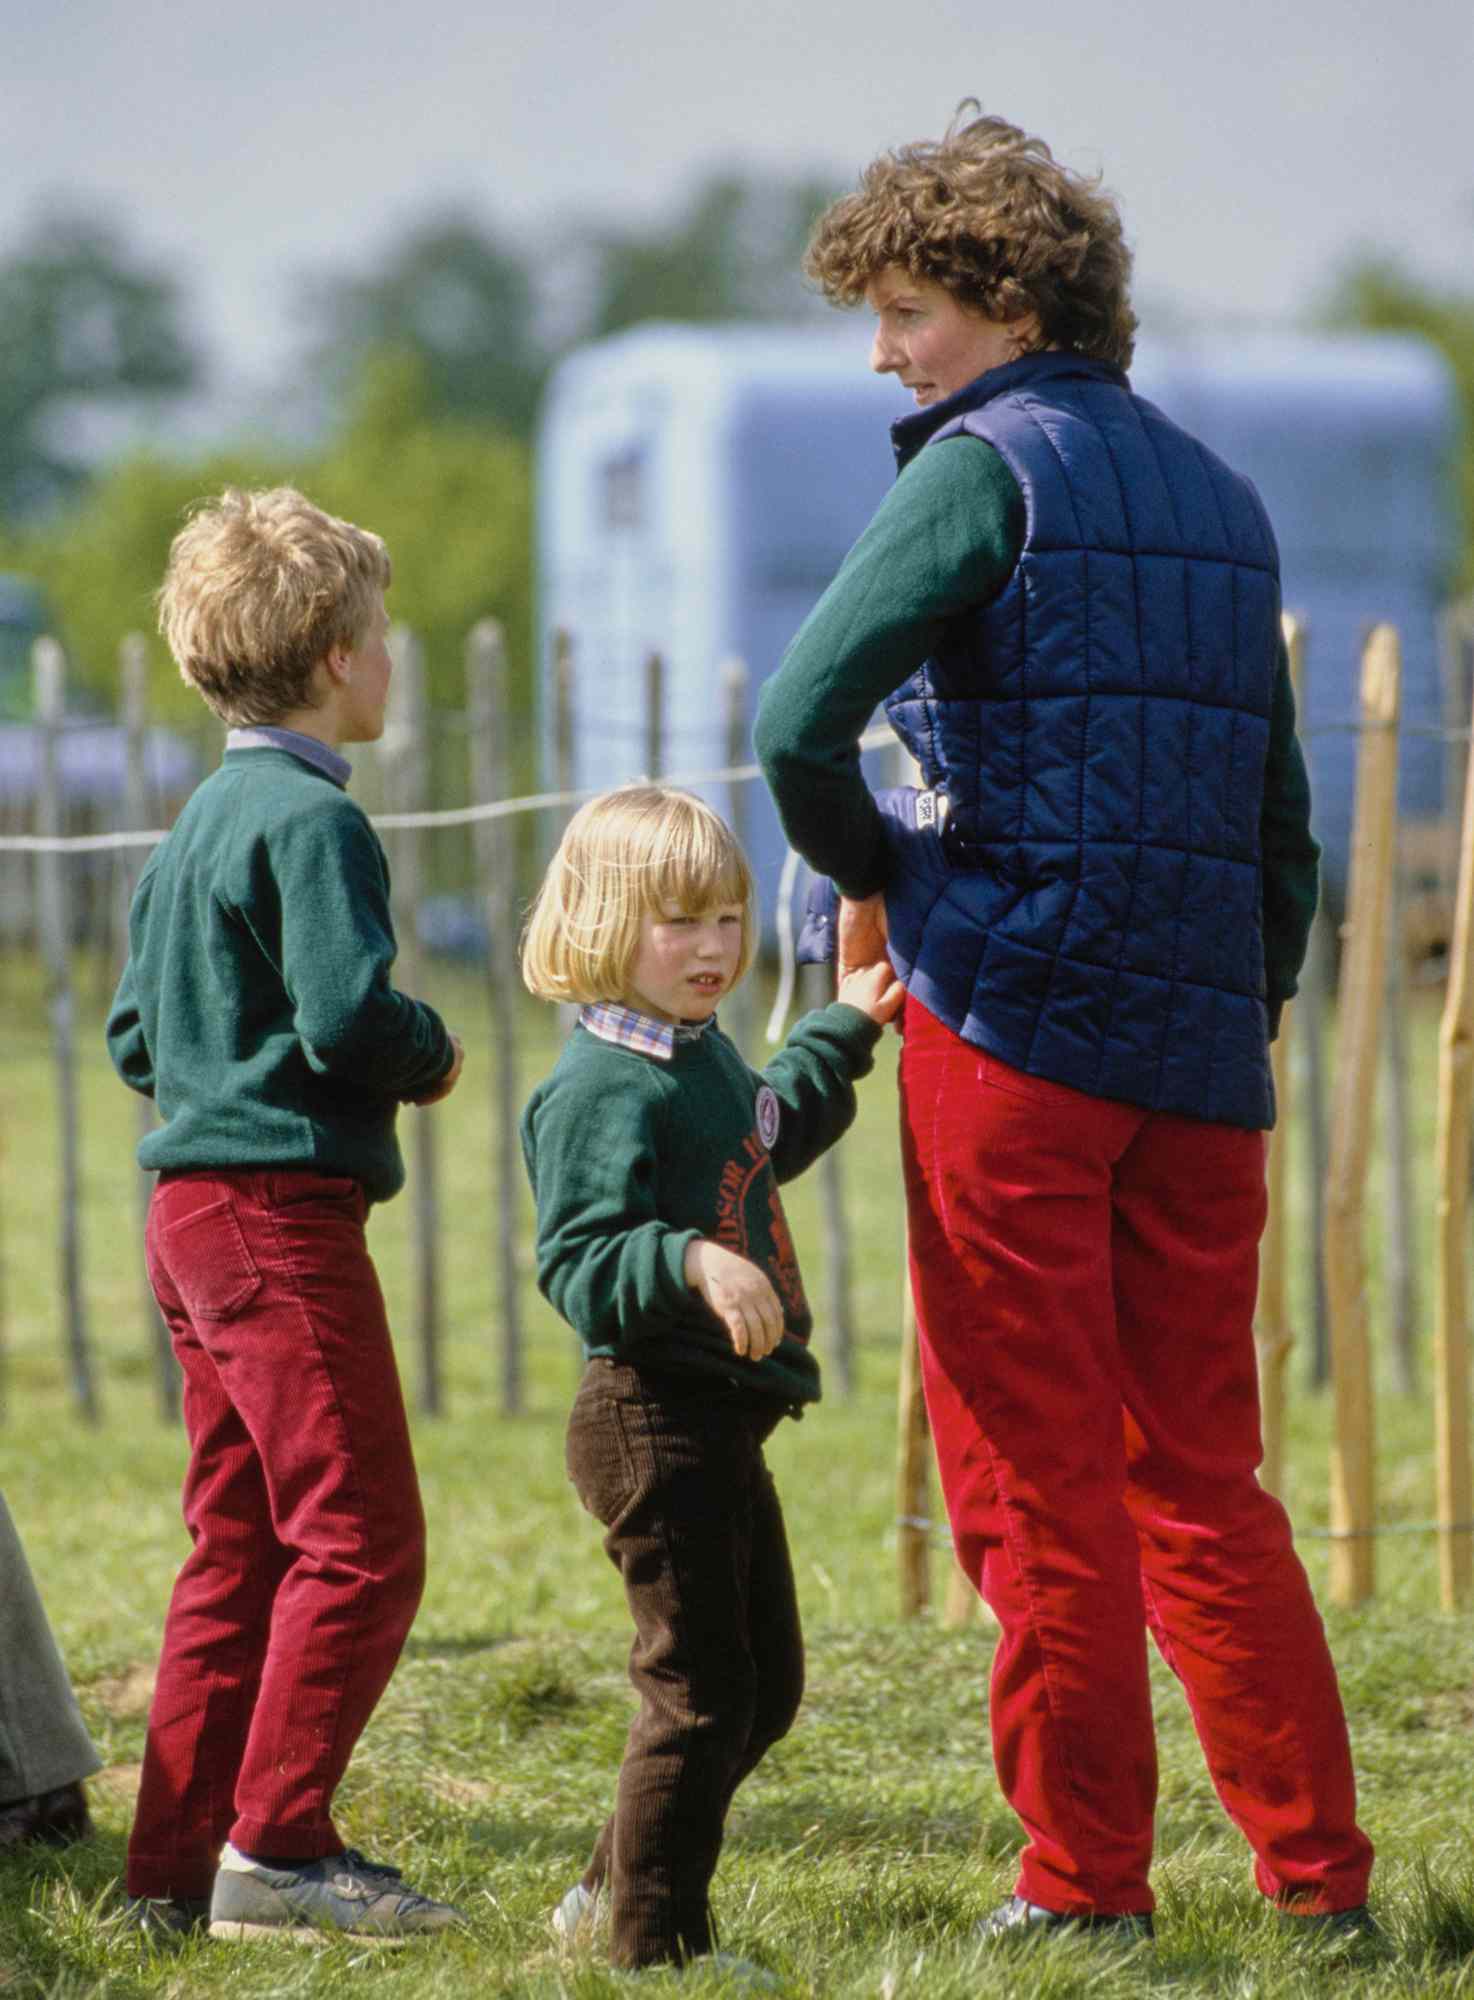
x,y
256,1009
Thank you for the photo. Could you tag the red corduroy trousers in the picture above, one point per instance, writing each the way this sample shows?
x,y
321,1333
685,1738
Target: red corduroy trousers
x,y
1085,1276
303,1507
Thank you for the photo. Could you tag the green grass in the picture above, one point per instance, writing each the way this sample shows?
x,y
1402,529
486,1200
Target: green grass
x,y
861,1853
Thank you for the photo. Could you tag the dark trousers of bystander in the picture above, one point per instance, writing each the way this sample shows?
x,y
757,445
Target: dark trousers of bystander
x,y
675,1472
303,1506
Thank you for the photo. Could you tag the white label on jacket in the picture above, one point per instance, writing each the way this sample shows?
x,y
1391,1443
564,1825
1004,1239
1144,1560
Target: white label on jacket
x,y
926,809
767,1115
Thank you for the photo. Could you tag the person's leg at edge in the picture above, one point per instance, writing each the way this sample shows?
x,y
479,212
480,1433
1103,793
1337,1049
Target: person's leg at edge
x,y
671,1476
1007,1182
275,1276
1229,1603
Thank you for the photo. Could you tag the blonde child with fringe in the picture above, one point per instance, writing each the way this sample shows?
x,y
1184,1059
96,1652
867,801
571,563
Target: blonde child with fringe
x,y
655,1155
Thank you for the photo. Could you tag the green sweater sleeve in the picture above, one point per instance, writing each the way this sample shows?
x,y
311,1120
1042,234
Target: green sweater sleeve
x,y
1289,855
332,880
946,538
593,1140
126,1044
813,1077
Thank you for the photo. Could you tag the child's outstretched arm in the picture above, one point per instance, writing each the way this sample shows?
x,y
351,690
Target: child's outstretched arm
x,y
813,1076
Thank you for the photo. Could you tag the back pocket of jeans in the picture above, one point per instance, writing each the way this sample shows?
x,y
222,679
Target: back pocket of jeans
x,y
206,1256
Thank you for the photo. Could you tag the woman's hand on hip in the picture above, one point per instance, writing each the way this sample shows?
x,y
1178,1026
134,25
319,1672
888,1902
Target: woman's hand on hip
x,y
862,935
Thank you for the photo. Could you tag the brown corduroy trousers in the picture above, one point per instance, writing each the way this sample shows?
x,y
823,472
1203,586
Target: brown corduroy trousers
x,y
675,1472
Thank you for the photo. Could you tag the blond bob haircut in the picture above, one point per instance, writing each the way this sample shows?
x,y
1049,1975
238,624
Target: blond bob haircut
x,y
989,213
643,850
259,588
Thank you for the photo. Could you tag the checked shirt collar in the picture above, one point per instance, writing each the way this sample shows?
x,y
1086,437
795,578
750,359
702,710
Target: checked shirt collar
x,y
627,1028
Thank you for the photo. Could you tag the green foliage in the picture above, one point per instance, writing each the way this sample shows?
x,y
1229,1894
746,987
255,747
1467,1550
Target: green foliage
x,y
460,302
1377,292
451,498
733,254
83,321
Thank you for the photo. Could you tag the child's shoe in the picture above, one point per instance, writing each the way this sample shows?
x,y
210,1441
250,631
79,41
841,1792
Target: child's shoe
x,y
166,1920
576,1915
342,1892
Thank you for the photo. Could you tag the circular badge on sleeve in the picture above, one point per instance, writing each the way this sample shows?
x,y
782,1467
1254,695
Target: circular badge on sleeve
x,y
767,1116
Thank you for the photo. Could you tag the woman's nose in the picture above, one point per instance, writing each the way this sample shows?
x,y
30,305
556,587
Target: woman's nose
x,y
883,360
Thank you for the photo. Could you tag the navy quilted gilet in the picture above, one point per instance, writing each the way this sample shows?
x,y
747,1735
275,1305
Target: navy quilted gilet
x,y
1100,731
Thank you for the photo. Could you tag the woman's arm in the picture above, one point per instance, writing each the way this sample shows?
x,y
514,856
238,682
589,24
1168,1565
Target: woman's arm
x,y
945,538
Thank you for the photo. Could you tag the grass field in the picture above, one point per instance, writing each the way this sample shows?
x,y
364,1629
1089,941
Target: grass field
x,y
864,1849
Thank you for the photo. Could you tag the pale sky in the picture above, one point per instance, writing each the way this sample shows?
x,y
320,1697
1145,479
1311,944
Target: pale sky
x,y
1252,146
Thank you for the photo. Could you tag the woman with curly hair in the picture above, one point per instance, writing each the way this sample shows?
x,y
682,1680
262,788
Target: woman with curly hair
x,y
1099,904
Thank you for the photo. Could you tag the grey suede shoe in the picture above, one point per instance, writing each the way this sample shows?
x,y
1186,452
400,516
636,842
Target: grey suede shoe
x,y
342,1893
1018,1916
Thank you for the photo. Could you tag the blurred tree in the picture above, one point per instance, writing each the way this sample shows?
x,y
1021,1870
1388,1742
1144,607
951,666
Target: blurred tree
x,y
450,294
1376,291
733,254
453,501
83,321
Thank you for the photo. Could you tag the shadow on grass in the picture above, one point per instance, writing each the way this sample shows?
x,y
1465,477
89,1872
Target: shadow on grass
x,y
54,1912
459,1647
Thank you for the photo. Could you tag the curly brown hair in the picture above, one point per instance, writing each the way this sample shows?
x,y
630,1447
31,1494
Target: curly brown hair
x,y
990,213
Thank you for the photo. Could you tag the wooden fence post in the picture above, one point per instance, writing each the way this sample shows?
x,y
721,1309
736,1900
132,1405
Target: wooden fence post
x,y
489,714
654,715
565,764
839,1312
49,669
913,1468
1399,1256
563,694
1358,1038
408,751
1451,1213
1273,1332
1307,1054
738,1018
133,682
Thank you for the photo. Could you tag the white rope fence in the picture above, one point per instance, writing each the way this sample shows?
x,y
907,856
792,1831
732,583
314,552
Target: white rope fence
x,y
492,809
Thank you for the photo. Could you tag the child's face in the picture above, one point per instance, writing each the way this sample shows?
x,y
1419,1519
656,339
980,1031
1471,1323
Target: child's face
x,y
685,962
366,687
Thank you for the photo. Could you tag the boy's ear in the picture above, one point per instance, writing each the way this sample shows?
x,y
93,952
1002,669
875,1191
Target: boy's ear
x,y
337,663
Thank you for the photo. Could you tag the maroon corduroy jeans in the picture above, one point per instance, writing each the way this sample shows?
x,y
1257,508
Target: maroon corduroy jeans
x,y
303,1506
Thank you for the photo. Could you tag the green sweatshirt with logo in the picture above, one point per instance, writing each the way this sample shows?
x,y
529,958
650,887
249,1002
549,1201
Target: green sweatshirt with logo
x,y
633,1158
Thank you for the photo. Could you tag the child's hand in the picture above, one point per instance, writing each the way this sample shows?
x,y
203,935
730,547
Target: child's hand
x,y
739,1294
875,990
448,1082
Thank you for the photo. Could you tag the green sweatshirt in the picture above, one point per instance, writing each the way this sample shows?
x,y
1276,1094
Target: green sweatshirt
x,y
255,1007
633,1158
945,539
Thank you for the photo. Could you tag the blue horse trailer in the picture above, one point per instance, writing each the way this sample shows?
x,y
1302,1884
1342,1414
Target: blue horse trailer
x,y
698,487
